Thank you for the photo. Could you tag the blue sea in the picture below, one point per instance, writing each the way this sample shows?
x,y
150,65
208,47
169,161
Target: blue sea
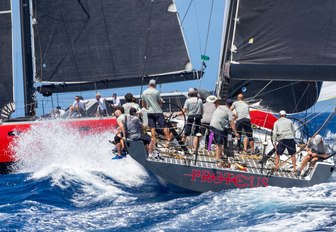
x,y
65,182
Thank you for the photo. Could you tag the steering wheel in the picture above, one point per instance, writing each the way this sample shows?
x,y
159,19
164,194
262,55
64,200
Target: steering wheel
x,y
179,109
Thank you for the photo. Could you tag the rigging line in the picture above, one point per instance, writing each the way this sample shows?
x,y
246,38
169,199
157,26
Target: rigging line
x,y
304,92
57,99
208,31
146,47
294,96
71,50
83,8
184,16
261,90
198,30
108,38
282,87
315,116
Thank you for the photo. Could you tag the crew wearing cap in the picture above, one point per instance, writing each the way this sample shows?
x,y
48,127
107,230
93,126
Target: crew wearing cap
x,y
193,107
151,100
221,121
101,107
283,137
243,122
317,151
209,108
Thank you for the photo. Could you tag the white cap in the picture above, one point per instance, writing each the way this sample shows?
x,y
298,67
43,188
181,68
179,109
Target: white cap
x,y
152,82
282,113
211,98
317,139
191,90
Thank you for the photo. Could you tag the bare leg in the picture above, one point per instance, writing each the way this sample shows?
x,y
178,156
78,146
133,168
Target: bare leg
x,y
219,151
151,146
304,162
245,143
252,146
294,162
196,142
277,159
166,133
118,146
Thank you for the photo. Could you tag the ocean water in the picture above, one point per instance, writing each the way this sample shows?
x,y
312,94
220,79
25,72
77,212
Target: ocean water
x,y
67,182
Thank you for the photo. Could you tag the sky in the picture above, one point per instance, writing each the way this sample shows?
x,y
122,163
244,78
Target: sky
x,y
195,28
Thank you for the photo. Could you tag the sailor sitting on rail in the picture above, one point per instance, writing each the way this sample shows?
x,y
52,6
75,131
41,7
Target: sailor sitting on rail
x,y
78,106
121,132
134,130
317,151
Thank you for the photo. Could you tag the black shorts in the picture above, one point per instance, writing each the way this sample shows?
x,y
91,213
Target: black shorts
x,y
118,138
245,124
288,144
220,137
205,128
154,119
190,120
145,138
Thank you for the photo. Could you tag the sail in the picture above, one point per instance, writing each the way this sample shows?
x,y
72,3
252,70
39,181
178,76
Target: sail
x,y
6,71
284,40
280,51
90,44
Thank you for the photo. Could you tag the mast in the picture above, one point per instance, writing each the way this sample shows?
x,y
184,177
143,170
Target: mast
x,y
222,83
26,24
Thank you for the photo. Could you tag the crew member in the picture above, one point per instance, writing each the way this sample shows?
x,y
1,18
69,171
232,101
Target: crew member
x,y
209,108
134,132
101,107
121,132
130,103
115,101
222,120
317,151
78,106
193,107
243,122
151,100
283,138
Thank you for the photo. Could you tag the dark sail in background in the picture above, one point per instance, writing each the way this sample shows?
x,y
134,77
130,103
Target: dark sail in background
x,y
107,44
292,40
6,69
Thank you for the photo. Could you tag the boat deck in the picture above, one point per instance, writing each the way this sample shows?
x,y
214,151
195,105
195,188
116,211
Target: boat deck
x,y
240,162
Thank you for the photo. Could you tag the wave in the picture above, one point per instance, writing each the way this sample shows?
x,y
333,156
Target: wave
x,y
69,182
69,160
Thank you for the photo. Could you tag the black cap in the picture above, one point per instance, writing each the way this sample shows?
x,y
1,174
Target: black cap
x,y
132,111
229,101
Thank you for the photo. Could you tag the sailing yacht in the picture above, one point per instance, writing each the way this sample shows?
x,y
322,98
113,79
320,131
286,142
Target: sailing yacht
x,y
277,53
72,46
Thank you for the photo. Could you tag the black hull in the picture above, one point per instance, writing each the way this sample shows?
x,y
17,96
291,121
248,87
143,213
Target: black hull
x,y
204,177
